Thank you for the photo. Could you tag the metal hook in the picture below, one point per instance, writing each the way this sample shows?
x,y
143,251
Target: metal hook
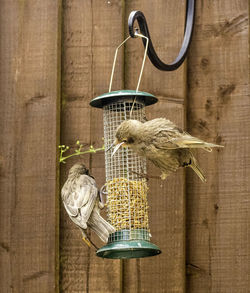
x,y
139,16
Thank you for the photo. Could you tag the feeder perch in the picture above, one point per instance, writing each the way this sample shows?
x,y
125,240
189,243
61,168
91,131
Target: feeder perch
x,y
126,184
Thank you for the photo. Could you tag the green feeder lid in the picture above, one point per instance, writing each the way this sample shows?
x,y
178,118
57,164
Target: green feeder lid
x,y
128,249
107,98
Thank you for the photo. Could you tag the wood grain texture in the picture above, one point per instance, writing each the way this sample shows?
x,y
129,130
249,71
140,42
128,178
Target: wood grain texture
x,y
89,42
107,35
218,222
163,273
29,79
218,249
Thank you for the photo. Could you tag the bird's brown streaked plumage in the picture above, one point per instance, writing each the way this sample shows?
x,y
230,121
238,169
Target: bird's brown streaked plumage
x,y
163,143
81,201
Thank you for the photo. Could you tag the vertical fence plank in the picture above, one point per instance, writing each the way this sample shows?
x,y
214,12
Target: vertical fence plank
x,y
75,117
163,273
91,31
218,251
107,35
29,79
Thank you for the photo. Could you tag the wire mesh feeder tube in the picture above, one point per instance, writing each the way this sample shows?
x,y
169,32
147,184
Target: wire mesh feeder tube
x,y
127,204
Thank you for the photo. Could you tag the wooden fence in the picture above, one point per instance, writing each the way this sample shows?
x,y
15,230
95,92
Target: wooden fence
x,y
55,56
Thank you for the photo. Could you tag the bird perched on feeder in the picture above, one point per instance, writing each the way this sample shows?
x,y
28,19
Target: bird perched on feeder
x,y
163,143
82,202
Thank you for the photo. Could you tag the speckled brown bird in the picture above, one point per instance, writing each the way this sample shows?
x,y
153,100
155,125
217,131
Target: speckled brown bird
x,y
81,200
163,143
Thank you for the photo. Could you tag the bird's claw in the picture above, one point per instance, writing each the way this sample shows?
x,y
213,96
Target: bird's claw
x,y
103,191
86,241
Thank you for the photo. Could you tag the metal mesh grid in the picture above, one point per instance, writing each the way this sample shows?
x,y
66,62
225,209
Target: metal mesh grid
x,y
126,186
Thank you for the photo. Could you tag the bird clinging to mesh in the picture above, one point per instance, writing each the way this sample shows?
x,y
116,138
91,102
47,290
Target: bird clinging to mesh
x,y
81,200
163,143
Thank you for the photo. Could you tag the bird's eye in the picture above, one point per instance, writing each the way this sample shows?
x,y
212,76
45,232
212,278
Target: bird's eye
x,y
130,140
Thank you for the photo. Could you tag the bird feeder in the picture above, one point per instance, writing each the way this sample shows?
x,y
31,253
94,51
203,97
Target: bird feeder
x,y
126,184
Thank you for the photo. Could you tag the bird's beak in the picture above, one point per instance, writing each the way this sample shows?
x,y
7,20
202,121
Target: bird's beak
x,y
110,147
117,147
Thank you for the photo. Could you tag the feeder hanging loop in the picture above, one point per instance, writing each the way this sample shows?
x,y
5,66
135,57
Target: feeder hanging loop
x,y
136,35
139,16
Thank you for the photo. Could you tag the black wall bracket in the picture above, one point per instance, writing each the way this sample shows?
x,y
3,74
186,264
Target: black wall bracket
x,y
139,16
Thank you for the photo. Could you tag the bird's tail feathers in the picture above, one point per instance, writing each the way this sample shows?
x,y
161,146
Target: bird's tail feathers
x,y
194,165
100,226
208,146
193,142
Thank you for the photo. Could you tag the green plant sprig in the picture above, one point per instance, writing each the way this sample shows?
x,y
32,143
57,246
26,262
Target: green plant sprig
x,y
77,152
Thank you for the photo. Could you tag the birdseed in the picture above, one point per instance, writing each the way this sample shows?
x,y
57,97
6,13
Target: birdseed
x,y
127,204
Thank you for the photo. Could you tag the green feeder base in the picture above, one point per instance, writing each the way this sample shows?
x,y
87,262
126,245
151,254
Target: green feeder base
x,y
128,249
129,244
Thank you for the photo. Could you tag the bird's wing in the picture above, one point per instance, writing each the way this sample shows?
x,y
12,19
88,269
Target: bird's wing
x,y
189,141
80,200
167,139
72,211
174,138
